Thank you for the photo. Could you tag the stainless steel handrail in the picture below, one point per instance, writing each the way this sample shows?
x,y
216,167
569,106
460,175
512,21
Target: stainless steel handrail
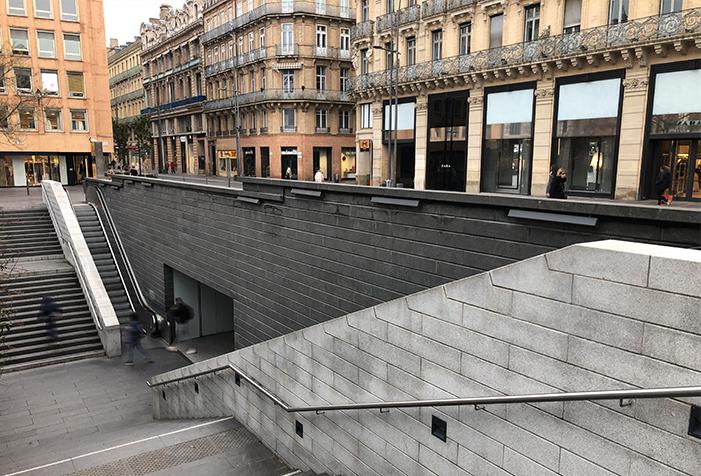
x,y
668,392
132,276
114,257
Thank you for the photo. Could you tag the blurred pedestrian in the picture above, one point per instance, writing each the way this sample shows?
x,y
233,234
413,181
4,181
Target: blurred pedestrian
x,y
556,185
135,332
288,173
133,170
179,315
662,183
319,176
49,311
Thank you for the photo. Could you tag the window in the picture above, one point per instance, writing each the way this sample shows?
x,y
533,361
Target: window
x,y
264,119
16,7
389,55
71,44
496,27
49,83
321,78
20,42
23,80
344,120
288,119
79,121
670,6
573,16
618,11
263,80
365,11
47,44
27,121
53,120
345,76
240,49
321,36
42,8
288,80
69,10
532,19
261,38
366,116
288,38
364,65
345,39
76,86
436,45
251,42
411,50
2,79
321,119
465,37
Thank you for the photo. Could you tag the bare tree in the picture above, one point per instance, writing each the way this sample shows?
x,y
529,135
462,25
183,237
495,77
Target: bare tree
x,y
6,312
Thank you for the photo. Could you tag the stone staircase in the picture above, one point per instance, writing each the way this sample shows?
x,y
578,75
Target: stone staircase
x,y
102,255
28,233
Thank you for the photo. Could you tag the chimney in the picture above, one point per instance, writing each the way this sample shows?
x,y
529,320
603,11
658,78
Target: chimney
x,y
165,11
114,43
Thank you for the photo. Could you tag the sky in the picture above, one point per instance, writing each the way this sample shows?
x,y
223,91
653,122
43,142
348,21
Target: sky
x,y
123,18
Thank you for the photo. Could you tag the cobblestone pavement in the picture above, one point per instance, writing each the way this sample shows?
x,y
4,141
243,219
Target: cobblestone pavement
x,y
56,413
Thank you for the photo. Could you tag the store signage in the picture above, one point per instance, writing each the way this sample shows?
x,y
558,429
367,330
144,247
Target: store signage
x,y
364,145
226,154
665,124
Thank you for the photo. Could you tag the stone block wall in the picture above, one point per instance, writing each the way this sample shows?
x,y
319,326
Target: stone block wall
x,y
602,316
296,261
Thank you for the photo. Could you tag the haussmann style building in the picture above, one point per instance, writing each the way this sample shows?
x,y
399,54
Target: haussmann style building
x,y
290,63
54,84
493,94
173,82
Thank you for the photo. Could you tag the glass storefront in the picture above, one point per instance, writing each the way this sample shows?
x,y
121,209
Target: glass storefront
x,y
7,176
19,170
446,164
508,140
348,164
586,133
288,160
403,125
322,161
249,161
675,130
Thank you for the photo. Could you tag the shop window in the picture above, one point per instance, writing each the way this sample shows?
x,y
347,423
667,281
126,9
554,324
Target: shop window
x,y
288,162
79,121
508,142
586,131
23,80
54,120
670,6
532,22
573,16
465,38
42,9
47,44
49,83
618,11
446,164
348,164
496,29
16,7
27,120
71,44
69,10
20,42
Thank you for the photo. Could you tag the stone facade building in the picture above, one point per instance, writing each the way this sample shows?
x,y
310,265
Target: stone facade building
x,y
292,60
492,95
54,87
173,83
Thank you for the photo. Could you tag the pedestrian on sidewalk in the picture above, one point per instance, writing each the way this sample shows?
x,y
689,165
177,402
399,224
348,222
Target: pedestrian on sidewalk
x,y
319,176
135,332
662,183
556,185
179,316
49,311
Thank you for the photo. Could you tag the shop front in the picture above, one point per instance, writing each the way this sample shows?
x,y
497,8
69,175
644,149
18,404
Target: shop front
x,y
20,170
348,164
224,156
507,152
587,122
446,165
401,127
674,130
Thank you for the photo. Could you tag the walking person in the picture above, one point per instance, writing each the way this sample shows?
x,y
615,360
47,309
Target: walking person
x,y
179,315
49,311
556,185
662,183
288,173
319,176
135,332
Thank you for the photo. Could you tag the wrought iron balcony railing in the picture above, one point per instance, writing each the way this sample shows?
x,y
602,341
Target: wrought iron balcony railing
x,y
174,70
308,95
128,97
362,30
640,32
277,8
231,63
174,105
130,73
404,16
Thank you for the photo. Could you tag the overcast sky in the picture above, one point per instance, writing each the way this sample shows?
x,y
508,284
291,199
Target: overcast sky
x,y
123,18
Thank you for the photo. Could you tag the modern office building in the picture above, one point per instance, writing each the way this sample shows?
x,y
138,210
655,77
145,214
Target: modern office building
x,y
126,90
290,63
54,91
173,83
493,94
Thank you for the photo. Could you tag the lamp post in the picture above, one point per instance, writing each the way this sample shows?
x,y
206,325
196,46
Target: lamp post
x,y
237,111
393,105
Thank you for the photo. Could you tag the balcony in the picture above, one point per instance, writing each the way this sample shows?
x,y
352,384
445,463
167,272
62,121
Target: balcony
x,y
287,50
410,14
128,74
345,130
362,30
286,7
288,129
174,105
231,63
297,95
128,97
321,130
594,44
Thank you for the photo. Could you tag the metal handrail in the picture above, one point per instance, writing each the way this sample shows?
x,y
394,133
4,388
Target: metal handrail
x,y
132,275
668,392
109,245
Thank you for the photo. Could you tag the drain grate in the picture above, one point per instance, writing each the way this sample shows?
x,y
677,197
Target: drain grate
x,y
173,456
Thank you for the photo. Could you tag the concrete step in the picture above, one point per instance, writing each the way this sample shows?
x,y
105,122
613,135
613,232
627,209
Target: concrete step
x,y
44,351
65,338
33,313
29,328
56,359
33,317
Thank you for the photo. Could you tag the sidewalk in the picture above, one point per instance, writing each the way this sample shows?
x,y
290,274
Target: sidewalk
x,y
22,198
